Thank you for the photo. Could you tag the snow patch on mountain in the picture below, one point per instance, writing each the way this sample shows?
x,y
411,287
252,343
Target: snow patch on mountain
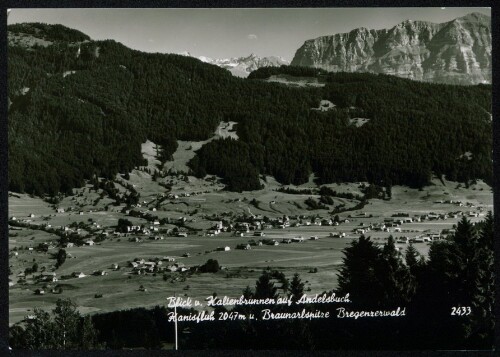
x,y
242,66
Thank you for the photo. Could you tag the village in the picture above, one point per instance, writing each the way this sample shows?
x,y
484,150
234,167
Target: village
x,y
137,239
188,241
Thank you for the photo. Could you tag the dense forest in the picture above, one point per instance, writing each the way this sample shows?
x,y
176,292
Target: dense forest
x,y
458,273
80,108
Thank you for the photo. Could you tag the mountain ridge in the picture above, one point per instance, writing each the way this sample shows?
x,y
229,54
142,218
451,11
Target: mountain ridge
x,y
453,52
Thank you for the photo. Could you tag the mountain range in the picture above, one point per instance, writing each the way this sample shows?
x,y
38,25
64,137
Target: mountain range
x,y
242,66
454,52
81,109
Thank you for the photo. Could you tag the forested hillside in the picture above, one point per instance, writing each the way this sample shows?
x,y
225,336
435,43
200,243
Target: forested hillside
x,y
79,108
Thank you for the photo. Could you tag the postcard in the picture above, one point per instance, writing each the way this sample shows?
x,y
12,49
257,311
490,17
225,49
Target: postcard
x,y
250,179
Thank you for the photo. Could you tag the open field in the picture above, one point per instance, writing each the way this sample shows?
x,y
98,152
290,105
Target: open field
x,y
196,207
296,81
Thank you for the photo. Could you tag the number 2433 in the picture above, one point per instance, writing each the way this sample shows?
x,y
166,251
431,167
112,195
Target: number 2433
x,y
461,310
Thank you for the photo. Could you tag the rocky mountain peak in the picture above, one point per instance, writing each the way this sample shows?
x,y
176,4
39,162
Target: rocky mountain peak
x,y
458,51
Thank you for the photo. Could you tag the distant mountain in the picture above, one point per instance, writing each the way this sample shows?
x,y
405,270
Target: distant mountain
x,y
454,52
242,66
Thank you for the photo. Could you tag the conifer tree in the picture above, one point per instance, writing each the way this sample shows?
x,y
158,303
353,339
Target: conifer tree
x,y
296,289
358,276
397,282
264,288
412,258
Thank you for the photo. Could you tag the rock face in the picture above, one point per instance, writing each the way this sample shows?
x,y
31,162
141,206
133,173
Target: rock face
x,y
242,66
454,52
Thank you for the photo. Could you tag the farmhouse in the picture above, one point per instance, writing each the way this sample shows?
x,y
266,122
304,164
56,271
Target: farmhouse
x,y
100,273
89,242
78,275
337,235
270,242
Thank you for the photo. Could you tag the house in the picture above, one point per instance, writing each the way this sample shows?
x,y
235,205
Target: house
x,y
182,234
337,235
314,238
133,264
100,273
60,210
115,266
39,292
259,234
171,268
79,275
270,242
223,249
31,215
89,242
168,259
70,245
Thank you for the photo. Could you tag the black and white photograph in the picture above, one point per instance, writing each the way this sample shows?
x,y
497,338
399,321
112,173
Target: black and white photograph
x,y
308,179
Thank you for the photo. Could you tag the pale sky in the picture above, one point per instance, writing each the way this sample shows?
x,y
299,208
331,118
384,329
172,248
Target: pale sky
x,y
222,33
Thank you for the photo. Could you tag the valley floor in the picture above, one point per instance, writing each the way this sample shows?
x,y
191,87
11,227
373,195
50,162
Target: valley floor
x,y
198,208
